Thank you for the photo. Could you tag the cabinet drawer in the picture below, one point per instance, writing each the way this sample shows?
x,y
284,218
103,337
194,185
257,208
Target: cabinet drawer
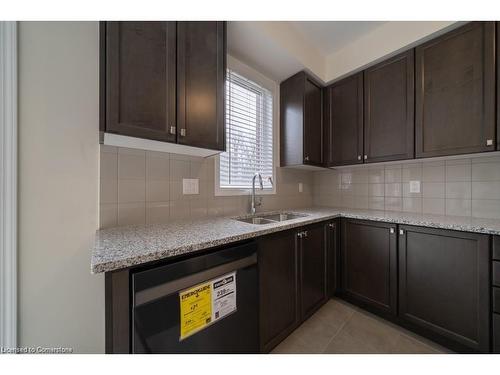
x,y
496,273
496,333
496,300
496,247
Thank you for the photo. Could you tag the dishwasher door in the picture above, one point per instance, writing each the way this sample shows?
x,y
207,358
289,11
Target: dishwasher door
x,y
156,310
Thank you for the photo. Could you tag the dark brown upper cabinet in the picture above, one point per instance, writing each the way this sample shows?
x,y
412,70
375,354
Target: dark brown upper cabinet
x,y
301,121
164,81
369,264
444,285
389,122
455,92
140,79
201,69
344,121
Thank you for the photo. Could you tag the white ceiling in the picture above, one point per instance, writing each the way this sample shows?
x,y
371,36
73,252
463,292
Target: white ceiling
x,y
326,49
330,36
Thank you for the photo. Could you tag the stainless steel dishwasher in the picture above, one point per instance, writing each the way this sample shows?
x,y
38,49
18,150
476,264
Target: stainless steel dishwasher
x,y
204,304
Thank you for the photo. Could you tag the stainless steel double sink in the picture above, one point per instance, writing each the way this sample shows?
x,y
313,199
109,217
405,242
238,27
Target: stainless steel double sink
x,y
270,218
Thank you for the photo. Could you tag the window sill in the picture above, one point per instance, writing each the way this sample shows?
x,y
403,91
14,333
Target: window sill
x,y
235,192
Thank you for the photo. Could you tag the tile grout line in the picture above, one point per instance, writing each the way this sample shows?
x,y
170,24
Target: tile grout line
x,y
338,332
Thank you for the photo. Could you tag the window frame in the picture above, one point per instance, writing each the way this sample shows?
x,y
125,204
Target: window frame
x,y
273,87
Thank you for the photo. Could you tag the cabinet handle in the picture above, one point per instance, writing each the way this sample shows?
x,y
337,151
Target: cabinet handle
x,y
306,158
401,232
173,129
391,230
305,233
359,157
366,157
183,132
489,142
300,234
331,225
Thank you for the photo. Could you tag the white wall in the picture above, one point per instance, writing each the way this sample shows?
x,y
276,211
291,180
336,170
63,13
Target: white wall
x,y
60,302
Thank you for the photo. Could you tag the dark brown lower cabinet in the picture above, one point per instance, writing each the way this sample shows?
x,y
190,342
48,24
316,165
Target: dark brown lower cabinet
x,y
312,274
332,259
278,285
496,333
444,285
293,276
369,264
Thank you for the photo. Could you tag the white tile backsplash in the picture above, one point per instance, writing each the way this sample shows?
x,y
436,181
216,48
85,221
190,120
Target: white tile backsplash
x,y
456,187
138,187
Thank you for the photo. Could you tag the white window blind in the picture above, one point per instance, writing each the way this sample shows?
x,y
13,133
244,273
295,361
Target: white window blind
x,y
249,133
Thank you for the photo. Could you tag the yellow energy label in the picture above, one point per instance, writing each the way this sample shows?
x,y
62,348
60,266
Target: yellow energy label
x,y
196,309
207,303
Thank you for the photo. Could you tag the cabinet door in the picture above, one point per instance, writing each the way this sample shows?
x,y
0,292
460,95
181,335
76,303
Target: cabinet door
x,y
369,259
455,92
388,109
313,123
444,284
496,333
312,269
345,121
201,69
278,287
333,264
140,79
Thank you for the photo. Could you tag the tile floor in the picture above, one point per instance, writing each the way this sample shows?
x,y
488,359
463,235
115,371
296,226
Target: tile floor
x,y
341,328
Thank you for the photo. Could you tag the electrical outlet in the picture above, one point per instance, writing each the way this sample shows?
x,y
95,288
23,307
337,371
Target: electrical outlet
x,y
414,186
190,186
301,187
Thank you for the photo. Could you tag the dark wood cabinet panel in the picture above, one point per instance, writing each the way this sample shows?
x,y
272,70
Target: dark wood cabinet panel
x,y
313,123
496,273
140,79
333,264
345,121
444,284
496,300
455,92
389,109
278,268
301,121
369,264
496,247
117,312
313,254
164,81
201,69
496,333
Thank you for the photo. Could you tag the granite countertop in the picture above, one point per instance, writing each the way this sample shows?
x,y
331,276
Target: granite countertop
x,y
127,246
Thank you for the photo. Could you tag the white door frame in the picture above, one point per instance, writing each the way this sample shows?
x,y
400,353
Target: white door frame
x,y
8,184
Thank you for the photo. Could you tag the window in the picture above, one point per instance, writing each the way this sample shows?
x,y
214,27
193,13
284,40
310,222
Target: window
x,y
249,134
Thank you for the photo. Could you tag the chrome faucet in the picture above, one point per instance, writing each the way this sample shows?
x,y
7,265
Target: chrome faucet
x,y
253,203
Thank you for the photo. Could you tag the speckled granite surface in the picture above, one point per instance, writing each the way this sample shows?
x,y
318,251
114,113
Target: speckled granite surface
x,y
127,246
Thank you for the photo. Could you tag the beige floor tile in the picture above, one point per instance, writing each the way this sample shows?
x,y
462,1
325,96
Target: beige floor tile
x,y
293,345
373,334
407,345
341,328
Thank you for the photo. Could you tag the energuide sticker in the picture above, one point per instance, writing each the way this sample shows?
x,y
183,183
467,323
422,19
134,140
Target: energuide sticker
x,y
205,304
